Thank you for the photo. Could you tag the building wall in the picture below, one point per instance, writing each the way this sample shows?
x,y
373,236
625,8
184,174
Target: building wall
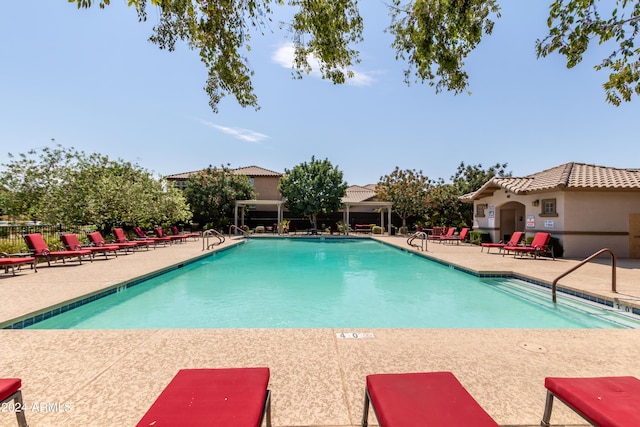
x,y
585,221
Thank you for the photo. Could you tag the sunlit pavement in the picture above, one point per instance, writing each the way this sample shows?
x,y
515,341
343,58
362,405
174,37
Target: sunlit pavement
x,y
111,377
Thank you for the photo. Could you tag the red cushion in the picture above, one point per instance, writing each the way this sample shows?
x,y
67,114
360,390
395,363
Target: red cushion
x,y
205,397
8,386
605,401
424,399
16,260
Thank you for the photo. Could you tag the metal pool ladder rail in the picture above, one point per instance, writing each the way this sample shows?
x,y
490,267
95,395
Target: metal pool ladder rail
x,y
583,262
235,229
418,235
205,239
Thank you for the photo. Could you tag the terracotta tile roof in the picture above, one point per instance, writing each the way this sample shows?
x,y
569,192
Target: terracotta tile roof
x,y
568,176
247,170
356,193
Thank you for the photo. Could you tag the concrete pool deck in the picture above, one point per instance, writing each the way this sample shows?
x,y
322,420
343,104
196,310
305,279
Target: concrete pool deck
x,y
111,377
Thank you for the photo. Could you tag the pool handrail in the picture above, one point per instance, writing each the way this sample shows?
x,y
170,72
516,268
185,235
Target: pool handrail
x,y
235,228
214,233
420,234
554,285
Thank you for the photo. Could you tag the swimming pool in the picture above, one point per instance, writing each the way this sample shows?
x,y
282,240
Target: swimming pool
x,y
332,283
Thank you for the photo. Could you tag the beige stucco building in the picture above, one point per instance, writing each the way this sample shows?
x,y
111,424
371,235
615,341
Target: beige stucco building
x,y
586,207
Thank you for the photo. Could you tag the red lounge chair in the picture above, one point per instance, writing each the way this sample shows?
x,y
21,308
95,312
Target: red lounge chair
x,y
96,239
72,243
539,244
513,241
38,247
422,399
141,235
10,390
121,238
464,233
236,397
602,401
172,238
176,232
11,262
444,235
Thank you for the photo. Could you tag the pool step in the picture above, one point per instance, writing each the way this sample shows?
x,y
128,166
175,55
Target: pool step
x,y
567,304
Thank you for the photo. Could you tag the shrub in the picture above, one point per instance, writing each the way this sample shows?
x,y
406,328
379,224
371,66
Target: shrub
x,y
479,237
376,229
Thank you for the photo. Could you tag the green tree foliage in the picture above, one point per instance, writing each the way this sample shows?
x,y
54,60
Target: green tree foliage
x,y
575,24
407,190
313,188
443,204
65,186
212,194
433,36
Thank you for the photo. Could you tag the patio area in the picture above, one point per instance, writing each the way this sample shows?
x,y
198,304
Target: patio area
x,y
111,377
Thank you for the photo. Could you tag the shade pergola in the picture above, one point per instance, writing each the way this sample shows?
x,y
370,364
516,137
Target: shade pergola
x,y
345,208
243,203
374,205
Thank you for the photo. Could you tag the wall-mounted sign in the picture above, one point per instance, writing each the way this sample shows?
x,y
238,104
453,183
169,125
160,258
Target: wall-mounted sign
x,y
531,221
548,223
492,211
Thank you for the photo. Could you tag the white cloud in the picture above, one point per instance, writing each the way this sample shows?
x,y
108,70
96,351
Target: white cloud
x,y
284,56
239,133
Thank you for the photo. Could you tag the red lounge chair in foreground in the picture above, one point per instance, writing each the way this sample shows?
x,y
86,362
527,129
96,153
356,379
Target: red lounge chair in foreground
x,y
72,243
11,262
141,235
513,241
10,391
235,397
602,401
422,399
38,247
121,238
96,239
539,244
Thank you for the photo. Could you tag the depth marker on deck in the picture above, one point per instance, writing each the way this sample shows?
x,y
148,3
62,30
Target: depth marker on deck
x,y
355,335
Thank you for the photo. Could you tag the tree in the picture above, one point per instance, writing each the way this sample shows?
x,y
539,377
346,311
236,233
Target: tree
x,y
65,186
313,188
433,37
212,194
407,190
443,203
574,24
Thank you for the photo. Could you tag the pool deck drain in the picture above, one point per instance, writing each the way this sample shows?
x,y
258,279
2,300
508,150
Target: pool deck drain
x,y
111,377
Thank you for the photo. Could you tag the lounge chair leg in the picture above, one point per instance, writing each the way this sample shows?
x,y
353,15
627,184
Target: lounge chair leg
x,y
365,411
267,408
19,405
547,410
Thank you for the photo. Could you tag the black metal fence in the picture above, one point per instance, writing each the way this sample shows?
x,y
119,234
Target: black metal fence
x,y
11,235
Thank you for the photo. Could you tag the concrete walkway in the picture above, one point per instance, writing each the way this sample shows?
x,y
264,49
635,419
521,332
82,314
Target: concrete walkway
x,y
111,377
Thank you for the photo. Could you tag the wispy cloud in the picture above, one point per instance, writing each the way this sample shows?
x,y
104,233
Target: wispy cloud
x,y
239,133
284,56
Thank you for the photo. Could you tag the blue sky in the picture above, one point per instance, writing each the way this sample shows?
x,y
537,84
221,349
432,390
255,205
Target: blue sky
x,y
91,80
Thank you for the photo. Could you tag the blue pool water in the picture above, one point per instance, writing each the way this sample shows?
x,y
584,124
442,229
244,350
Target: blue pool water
x,y
311,283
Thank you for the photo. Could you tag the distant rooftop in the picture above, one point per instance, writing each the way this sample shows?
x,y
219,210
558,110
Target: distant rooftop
x,y
246,170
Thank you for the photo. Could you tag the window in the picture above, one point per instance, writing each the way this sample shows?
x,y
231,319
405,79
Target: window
x,y
548,207
480,209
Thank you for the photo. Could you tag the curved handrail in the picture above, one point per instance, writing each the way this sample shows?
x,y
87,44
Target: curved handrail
x,y
420,234
554,285
214,233
236,228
